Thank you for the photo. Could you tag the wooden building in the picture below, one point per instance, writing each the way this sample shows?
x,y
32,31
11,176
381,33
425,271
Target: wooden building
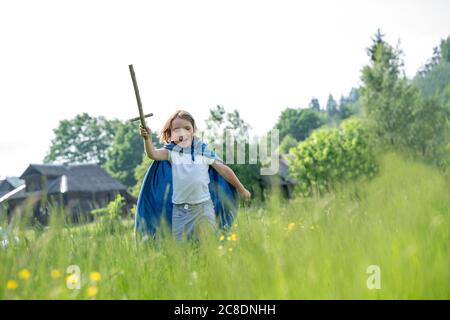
x,y
281,180
78,188
8,184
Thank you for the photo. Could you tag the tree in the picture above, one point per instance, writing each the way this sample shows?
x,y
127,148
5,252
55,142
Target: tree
x,y
332,106
314,104
434,78
239,126
84,139
429,129
287,143
441,54
125,153
220,120
377,41
299,123
217,123
445,50
350,105
139,174
387,99
414,115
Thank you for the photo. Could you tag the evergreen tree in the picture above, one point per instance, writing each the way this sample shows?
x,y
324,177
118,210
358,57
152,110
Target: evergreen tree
x,y
314,104
332,106
387,99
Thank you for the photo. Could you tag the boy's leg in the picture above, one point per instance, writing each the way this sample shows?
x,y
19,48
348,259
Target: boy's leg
x,y
195,221
205,222
182,222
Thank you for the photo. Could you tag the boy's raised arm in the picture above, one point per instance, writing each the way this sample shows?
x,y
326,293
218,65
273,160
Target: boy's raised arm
x,y
150,150
229,175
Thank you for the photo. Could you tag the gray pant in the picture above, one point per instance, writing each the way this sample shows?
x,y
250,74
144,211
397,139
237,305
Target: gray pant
x,y
189,218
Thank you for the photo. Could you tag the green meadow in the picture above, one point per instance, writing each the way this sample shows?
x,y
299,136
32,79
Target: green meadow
x,y
318,247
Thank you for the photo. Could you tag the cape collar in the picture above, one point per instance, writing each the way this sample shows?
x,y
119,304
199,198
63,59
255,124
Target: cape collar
x,y
198,147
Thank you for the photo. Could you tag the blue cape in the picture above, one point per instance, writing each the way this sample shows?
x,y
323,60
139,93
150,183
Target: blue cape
x,y
155,197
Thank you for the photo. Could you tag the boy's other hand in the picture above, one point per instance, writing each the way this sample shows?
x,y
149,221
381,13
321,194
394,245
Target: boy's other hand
x,y
144,132
245,194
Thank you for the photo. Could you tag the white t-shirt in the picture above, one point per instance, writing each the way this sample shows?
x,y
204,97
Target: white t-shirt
x,y
190,179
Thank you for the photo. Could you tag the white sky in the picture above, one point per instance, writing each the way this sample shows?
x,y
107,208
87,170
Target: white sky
x,y
61,58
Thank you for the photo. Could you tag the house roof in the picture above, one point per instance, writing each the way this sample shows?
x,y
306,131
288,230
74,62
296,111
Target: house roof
x,y
18,192
46,169
13,181
77,177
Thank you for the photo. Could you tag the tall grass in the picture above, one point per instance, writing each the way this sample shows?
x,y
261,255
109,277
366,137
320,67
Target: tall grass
x,y
308,248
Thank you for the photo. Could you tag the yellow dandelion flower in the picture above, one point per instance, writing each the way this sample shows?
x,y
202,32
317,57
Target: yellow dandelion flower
x,y
291,226
55,273
233,237
72,279
222,237
92,291
95,276
24,274
11,285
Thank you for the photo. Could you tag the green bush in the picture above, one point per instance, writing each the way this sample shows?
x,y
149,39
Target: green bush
x,y
287,143
109,217
332,155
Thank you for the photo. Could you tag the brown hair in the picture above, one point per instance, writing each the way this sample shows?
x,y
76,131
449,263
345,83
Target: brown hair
x,y
165,132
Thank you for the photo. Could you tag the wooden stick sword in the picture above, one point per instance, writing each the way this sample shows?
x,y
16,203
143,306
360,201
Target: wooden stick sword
x,y
139,103
138,99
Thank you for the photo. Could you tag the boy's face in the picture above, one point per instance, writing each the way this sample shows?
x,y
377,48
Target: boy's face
x,y
181,132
